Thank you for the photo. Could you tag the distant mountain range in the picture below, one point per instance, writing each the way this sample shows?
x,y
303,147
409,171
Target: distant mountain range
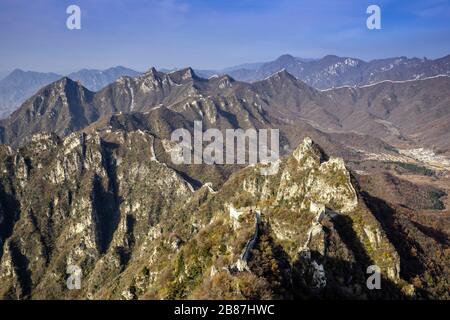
x,y
19,85
403,113
95,80
333,71
327,72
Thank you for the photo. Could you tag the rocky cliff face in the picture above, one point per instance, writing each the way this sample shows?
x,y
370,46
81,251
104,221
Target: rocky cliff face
x,y
87,201
136,228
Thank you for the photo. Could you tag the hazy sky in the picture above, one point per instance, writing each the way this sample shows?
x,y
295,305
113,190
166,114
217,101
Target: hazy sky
x,y
213,33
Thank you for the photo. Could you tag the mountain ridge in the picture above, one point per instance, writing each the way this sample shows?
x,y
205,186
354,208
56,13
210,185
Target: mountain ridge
x,y
19,85
280,96
332,71
324,73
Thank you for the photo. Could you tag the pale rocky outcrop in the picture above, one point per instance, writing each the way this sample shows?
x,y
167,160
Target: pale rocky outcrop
x,y
324,182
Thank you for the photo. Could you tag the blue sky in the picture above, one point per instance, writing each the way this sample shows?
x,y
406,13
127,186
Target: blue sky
x,y
213,33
